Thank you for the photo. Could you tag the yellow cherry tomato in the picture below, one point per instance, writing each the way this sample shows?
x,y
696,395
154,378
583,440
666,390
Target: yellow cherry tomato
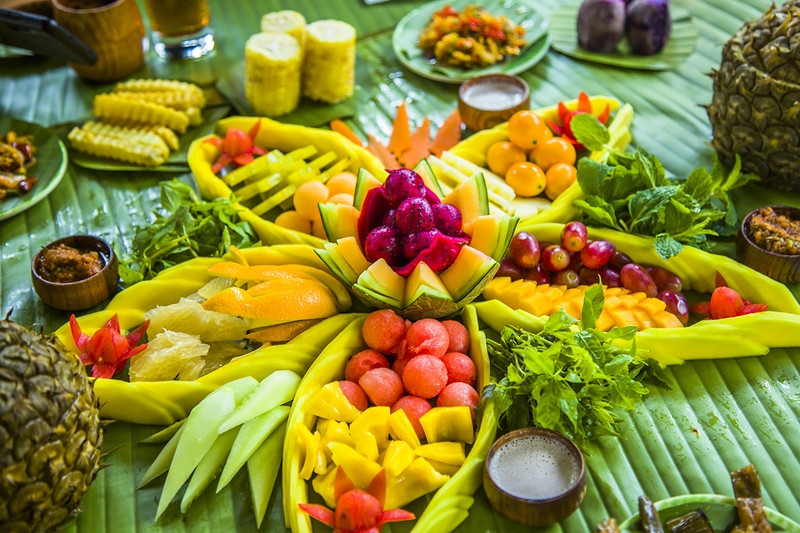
x,y
527,130
502,155
559,177
553,151
526,179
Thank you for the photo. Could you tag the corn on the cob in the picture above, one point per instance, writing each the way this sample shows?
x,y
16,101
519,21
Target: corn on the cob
x,y
117,108
272,68
174,99
190,92
137,146
287,21
330,61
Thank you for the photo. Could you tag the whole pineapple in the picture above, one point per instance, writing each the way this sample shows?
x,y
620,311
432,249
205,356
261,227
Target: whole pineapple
x,y
50,433
755,111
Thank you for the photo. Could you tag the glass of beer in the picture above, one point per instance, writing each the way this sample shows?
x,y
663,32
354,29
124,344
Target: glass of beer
x,y
181,28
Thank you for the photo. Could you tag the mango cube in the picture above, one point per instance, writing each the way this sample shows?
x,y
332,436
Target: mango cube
x,y
451,453
398,456
330,403
448,424
400,428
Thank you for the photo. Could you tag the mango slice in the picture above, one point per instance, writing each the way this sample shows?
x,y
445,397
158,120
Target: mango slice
x,y
278,299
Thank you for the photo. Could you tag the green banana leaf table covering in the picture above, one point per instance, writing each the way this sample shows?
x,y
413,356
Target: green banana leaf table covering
x,y
720,416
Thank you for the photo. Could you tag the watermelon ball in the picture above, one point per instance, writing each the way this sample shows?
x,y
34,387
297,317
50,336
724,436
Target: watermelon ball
x,y
425,376
414,408
459,338
382,386
383,331
456,394
399,365
363,361
460,368
427,336
354,394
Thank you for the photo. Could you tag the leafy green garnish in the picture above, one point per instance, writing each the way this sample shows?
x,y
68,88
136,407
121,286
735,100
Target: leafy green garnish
x,y
186,227
569,377
632,193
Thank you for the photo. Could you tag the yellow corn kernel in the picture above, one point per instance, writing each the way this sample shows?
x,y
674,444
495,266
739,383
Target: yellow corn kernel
x,y
330,61
117,108
286,21
139,147
272,69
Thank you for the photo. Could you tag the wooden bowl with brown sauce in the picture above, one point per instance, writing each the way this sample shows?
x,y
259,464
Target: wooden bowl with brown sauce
x,y
769,242
76,272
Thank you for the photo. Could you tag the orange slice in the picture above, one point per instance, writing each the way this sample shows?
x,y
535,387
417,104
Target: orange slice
x,y
276,299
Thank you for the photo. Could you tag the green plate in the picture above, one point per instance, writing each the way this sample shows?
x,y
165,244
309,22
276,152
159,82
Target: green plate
x,y
522,12
720,510
51,163
308,113
176,162
682,42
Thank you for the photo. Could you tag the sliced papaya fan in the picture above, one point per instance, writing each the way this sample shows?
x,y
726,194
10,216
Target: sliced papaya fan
x,y
164,402
296,154
745,335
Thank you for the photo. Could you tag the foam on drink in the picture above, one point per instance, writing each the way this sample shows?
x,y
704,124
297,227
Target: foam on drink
x,y
534,467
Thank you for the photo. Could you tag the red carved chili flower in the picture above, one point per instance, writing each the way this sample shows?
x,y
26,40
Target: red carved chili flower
x,y
565,116
108,349
237,148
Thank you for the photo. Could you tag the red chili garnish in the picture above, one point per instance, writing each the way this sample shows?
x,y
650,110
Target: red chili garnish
x,y
565,116
237,147
108,349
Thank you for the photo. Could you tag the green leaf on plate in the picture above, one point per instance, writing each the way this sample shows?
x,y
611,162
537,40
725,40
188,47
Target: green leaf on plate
x,y
682,42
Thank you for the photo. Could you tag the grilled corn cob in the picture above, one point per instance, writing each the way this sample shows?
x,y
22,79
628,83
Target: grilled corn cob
x,y
330,61
287,21
137,146
189,92
115,108
272,68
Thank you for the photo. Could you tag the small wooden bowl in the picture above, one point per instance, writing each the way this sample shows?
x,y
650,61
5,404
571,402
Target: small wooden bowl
x,y
81,294
536,512
780,267
486,101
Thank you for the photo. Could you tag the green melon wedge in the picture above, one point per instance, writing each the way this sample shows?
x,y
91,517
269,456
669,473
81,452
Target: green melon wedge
x,y
162,461
274,390
423,168
165,434
209,465
251,435
199,433
364,182
262,469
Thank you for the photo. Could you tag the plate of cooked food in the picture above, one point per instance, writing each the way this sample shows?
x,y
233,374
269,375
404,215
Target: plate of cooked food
x,y
32,162
454,40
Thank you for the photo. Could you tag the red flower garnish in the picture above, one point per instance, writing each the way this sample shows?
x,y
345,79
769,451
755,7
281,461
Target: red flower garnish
x,y
237,148
108,349
565,116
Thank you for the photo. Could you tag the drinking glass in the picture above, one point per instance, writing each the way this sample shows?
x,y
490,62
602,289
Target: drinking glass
x,y
113,28
181,28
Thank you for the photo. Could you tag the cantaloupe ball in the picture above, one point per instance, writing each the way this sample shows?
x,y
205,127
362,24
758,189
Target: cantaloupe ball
x,y
307,196
293,220
341,198
382,386
414,408
456,394
383,331
425,376
354,394
459,337
460,368
427,336
318,230
344,182
363,361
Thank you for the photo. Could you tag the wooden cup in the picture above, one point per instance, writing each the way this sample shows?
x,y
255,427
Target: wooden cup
x,y
113,28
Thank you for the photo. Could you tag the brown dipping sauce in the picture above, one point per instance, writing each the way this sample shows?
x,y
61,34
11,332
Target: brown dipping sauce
x,y
65,264
775,233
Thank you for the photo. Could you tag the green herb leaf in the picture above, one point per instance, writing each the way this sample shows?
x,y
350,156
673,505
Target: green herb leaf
x,y
589,131
666,246
593,302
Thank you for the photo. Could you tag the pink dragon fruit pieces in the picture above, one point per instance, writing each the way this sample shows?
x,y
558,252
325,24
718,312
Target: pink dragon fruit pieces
x,y
414,215
439,255
401,184
372,212
383,242
415,243
447,219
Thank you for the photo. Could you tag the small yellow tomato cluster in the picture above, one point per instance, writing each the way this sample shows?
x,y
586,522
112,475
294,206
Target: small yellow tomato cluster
x,y
305,216
533,161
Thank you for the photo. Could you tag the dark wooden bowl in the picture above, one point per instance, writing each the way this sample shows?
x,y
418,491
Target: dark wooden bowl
x,y
81,294
477,116
780,267
537,513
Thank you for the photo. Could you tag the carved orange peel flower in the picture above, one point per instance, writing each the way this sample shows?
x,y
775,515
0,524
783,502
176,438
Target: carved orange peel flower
x,y
565,117
108,349
237,147
357,511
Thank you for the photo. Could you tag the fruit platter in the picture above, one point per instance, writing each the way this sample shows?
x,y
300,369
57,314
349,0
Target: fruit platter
x,y
390,322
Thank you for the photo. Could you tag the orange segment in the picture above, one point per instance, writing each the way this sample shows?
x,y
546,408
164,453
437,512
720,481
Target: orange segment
x,y
276,299
281,332
228,269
